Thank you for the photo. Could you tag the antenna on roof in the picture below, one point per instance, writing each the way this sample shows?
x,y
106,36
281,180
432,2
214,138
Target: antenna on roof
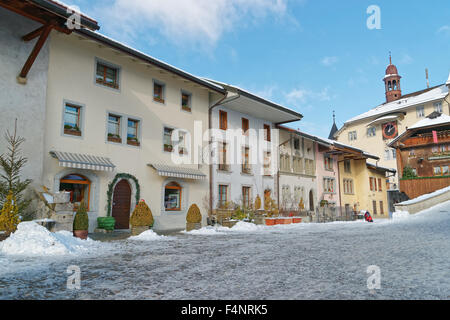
x,y
390,57
428,80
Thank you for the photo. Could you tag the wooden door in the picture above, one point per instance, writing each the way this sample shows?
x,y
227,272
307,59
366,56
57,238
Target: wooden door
x,y
121,205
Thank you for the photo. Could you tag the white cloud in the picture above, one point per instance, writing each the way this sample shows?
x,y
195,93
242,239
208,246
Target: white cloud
x,y
301,97
329,61
444,29
406,59
186,22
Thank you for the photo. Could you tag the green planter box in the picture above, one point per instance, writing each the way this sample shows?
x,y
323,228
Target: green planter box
x,y
107,223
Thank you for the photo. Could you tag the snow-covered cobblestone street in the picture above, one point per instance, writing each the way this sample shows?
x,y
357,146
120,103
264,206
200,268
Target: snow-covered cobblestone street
x,y
306,261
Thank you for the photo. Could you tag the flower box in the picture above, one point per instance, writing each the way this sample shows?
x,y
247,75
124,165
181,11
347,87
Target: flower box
x,y
271,222
132,142
158,99
186,108
287,220
168,148
296,220
72,132
115,139
279,221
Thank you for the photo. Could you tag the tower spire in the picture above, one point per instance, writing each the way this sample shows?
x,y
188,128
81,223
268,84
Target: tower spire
x,y
392,82
334,128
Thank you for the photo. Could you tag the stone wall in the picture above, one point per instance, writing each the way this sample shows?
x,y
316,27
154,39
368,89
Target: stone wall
x,y
417,206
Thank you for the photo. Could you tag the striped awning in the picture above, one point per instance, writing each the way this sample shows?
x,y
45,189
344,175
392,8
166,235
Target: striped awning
x,y
178,172
83,161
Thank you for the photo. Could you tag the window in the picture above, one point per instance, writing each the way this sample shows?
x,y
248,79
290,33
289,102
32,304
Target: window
x,y
186,101
296,144
348,166
298,165
72,120
435,149
310,167
158,92
246,198
441,171
352,136
114,128
285,163
132,132
182,149
79,188
414,170
420,112
328,163
442,148
328,185
412,153
348,186
223,120
168,145
381,208
374,207
172,197
246,160
267,132
394,154
223,166
387,155
371,132
373,184
245,126
380,188
223,196
438,107
107,75
267,164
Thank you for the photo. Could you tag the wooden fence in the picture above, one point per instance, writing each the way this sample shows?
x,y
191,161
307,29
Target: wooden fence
x,y
417,187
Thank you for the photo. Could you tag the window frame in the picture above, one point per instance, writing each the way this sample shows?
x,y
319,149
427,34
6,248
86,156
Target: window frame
x,y
82,109
245,126
326,181
420,111
123,129
267,132
163,91
223,120
438,107
189,107
134,141
222,202
247,204
173,185
109,136
371,132
246,167
117,87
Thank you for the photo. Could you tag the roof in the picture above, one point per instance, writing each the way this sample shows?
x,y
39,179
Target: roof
x,y
96,36
60,9
178,172
249,103
406,101
334,129
431,121
379,168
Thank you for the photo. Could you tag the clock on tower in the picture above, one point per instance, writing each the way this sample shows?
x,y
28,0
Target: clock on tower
x,y
390,130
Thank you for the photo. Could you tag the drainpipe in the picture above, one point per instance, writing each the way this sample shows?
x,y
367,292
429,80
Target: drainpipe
x,y
221,101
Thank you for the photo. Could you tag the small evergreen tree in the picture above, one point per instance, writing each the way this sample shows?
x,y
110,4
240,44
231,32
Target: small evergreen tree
x,y
9,215
81,220
408,173
11,164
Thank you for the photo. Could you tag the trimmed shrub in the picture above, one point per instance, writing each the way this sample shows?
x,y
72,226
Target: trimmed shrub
x,y
142,216
9,215
257,203
81,220
194,215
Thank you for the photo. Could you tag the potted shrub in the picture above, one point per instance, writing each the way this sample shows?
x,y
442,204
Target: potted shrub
x,y
106,223
168,147
193,218
81,223
141,219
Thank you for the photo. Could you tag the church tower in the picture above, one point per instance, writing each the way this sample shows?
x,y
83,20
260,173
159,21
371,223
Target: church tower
x,y
392,82
334,129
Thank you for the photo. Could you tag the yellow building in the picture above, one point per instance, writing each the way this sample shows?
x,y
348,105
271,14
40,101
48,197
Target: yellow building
x,y
363,186
376,128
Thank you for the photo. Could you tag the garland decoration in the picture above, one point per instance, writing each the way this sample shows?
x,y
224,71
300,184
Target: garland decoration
x,y
110,192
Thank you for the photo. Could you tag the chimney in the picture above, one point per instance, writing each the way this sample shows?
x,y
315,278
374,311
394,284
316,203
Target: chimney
x,y
428,80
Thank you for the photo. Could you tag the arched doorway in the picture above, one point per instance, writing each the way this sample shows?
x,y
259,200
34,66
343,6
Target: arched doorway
x,y
311,201
121,205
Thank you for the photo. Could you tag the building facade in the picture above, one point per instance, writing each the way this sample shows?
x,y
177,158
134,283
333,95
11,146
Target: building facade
x,y
423,159
245,144
375,129
297,171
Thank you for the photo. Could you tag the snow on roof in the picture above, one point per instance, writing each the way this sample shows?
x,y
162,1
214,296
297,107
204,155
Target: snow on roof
x,y
427,122
426,196
435,93
74,9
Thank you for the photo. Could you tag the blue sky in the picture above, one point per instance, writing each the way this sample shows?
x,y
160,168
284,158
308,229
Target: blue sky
x,y
311,56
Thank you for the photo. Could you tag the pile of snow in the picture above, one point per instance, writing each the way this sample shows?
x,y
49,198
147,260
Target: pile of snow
x,y
148,235
31,239
207,231
400,215
247,227
426,196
